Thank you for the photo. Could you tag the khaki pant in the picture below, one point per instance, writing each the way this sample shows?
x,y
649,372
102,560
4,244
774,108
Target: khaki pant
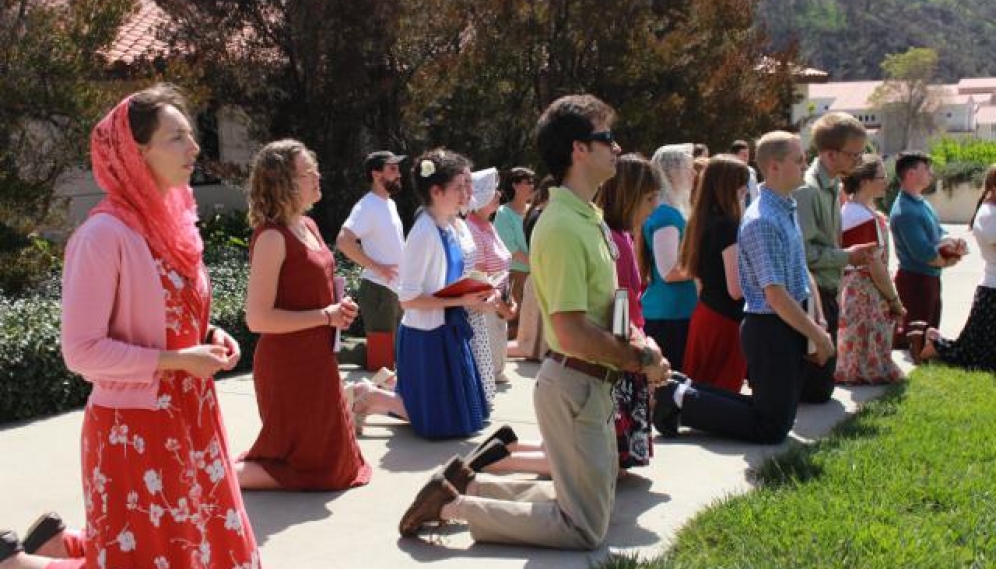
x,y
379,307
575,414
497,332
530,341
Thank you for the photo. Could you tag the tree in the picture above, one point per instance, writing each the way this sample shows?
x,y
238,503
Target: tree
x,y
322,71
674,71
347,77
50,97
907,98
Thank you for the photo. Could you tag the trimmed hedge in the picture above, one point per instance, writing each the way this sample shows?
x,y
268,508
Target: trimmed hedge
x,y
34,380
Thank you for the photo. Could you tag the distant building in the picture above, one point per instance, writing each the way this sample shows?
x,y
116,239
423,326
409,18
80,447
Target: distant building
x,y
968,109
223,130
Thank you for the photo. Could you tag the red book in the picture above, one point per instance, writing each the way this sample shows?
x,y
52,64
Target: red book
x,y
466,285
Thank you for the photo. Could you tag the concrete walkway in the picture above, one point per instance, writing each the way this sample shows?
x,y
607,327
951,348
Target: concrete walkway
x,y
358,528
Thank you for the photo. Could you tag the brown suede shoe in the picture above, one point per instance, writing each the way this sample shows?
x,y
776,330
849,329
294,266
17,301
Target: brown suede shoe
x,y
427,505
457,473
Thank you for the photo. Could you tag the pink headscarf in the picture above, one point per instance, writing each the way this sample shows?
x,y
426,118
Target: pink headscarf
x,y
168,225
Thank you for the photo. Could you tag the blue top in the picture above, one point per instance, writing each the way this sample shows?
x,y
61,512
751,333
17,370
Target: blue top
x,y
454,255
663,300
771,251
917,232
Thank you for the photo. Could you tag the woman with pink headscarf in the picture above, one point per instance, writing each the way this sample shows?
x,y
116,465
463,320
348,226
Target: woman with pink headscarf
x,y
157,479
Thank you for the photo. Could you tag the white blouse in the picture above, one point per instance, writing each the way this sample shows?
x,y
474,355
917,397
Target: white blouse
x,y
423,268
984,230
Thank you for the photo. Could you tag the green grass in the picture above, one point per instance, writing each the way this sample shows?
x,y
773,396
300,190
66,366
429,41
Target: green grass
x,y
909,482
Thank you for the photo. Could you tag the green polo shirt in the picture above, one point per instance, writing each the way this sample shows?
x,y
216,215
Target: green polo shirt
x,y
818,202
572,268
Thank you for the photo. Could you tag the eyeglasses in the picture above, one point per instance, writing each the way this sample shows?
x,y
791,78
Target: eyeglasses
x,y
603,136
852,155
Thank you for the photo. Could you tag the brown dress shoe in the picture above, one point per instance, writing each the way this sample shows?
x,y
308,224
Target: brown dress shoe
x,y
427,505
457,473
916,339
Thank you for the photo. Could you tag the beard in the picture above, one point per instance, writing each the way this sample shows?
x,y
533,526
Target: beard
x,y
392,187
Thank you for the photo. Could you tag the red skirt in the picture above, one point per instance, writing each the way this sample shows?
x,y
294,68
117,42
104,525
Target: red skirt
x,y
713,354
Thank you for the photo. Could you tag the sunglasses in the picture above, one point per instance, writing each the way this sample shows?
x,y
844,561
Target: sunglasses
x,y
603,136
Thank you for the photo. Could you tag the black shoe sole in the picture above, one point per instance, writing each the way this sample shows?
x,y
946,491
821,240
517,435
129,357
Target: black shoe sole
x,y
45,528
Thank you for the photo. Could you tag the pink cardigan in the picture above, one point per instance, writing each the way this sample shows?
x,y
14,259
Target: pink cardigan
x,y
113,313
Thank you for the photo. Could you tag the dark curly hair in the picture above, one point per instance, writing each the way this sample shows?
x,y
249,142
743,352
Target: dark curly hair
x,y
446,165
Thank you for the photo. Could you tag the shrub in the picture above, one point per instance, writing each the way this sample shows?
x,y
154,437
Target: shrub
x,y
974,150
953,173
229,284
26,262
33,379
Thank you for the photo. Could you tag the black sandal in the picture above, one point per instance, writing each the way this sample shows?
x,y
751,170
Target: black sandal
x,y
45,528
9,545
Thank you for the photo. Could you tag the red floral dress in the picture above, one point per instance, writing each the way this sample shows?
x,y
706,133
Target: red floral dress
x,y
864,336
158,484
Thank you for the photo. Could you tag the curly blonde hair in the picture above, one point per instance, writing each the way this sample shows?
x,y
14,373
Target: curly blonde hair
x,y
273,194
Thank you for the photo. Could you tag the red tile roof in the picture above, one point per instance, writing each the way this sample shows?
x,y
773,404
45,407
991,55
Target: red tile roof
x,y
139,35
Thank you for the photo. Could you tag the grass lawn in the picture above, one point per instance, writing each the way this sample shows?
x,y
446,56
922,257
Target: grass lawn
x,y
908,482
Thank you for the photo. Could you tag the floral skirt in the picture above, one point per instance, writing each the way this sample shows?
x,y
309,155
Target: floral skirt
x,y
158,484
864,337
633,426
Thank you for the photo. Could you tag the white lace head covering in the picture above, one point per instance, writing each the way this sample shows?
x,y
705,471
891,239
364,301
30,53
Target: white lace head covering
x,y
485,185
675,161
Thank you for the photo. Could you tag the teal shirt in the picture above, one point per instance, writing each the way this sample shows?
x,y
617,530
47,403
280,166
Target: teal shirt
x,y
664,300
508,224
917,233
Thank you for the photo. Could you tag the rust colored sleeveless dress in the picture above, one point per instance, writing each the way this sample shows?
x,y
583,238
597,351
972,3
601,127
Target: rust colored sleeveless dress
x,y
307,440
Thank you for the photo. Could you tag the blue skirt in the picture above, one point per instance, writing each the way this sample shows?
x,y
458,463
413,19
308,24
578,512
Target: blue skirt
x,y
438,381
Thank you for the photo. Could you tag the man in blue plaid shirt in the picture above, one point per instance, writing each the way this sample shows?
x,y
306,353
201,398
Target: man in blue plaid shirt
x,y
776,327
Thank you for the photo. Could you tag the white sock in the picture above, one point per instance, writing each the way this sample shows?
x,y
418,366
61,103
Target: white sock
x,y
679,393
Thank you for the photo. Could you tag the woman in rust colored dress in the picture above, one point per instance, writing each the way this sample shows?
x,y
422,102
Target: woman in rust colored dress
x,y
307,440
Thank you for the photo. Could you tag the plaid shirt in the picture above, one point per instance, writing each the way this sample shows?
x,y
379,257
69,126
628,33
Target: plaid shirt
x,y
771,251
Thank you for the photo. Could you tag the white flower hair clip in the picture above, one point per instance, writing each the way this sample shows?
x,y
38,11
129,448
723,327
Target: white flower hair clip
x,y
427,168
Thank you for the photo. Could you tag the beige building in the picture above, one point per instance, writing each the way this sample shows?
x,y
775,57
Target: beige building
x,y
966,109
228,142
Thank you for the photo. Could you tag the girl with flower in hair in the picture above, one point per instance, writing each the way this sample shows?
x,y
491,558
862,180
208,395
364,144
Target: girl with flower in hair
x,y
157,478
439,390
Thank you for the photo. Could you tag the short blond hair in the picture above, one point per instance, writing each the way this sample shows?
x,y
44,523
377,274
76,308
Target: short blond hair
x,y
273,194
774,145
833,130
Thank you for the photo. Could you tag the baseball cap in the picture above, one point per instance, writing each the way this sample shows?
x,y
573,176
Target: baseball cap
x,y
377,160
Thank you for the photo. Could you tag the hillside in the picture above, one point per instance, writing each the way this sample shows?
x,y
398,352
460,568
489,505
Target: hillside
x,y
849,38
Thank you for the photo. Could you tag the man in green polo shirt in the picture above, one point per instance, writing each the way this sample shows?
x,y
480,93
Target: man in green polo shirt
x,y
572,261
840,142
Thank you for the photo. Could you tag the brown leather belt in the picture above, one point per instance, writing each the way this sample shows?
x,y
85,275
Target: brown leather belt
x,y
596,371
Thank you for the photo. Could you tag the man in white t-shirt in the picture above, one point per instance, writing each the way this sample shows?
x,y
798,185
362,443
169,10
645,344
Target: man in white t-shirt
x,y
372,237
741,149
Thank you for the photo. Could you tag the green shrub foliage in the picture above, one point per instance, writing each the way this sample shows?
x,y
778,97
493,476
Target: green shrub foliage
x,y
34,380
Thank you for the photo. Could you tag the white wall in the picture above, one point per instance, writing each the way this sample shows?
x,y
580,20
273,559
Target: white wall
x,y
956,206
